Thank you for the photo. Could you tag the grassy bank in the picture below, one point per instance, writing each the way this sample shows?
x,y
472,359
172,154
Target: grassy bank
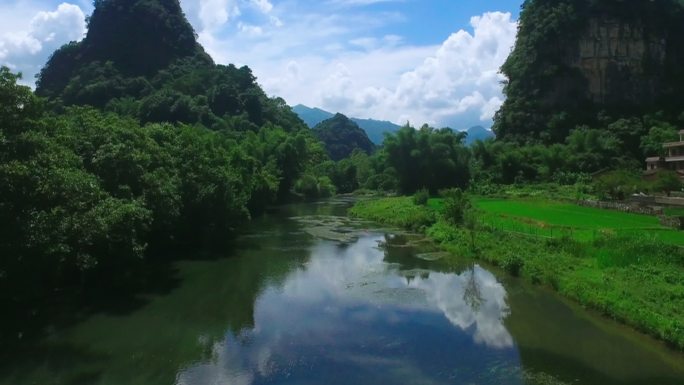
x,y
629,276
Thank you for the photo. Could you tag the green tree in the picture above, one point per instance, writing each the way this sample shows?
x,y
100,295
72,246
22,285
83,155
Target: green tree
x,y
667,181
617,185
652,143
456,205
430,158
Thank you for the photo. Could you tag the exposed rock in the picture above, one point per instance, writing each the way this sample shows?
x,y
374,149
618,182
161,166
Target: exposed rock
x,y
622,62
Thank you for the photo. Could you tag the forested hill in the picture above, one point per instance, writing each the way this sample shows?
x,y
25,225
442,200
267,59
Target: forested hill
x,y
341,137
311,116
134,144
375,129
592,62
476,133
132,38
140,59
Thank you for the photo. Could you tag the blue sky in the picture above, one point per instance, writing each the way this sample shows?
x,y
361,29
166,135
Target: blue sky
x,y
423,61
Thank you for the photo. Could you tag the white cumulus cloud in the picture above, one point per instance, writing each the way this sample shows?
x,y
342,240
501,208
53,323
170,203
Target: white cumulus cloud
x,y
455,84
264,6
27,50
355,60
458,85
213,14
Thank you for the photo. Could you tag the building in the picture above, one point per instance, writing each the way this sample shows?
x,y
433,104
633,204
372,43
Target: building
x,y
674,160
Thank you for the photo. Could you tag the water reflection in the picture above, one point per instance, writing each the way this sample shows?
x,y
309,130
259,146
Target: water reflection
x,y
347,311
473,299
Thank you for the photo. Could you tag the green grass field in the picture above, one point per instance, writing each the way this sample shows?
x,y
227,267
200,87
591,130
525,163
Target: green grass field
x,y
554,219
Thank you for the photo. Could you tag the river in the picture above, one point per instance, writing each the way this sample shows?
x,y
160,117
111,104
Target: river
x,y
308,296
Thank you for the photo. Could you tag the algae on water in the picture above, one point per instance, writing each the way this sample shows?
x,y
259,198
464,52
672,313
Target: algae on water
x,y
332,228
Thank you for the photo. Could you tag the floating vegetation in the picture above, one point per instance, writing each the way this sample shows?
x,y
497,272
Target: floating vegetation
x,y
332,228
432,256
541,378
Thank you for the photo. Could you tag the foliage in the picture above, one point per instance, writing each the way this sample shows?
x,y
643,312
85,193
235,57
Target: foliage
x,y
136,38
652,143
145,145
86,193
456,205
428,157
667,181
548,94
140,59
586,150
617,185
59,221
341,137
395,211
420,198
312,187
578,191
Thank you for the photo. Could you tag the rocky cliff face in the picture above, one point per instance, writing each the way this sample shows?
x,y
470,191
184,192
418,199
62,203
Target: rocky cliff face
x,y
621,61
579,62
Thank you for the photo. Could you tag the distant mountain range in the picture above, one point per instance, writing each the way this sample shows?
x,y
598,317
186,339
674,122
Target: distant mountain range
x,y
375,129
478,133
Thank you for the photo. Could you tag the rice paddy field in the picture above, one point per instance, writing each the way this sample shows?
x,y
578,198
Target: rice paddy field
x,y
557,219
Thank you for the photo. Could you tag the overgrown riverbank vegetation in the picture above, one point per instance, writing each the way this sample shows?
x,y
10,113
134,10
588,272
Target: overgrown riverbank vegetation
x,y
635,277
86,193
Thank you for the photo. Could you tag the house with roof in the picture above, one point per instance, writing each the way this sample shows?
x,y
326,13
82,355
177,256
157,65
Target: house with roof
x,y
674,160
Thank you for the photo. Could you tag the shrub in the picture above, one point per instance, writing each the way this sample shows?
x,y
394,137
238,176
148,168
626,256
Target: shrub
x,y
313,188
617,185
420,198
667,181
456,204
326,188
307,185
513,264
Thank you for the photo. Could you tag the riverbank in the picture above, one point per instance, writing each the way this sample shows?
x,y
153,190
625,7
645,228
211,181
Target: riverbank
x,y
635,279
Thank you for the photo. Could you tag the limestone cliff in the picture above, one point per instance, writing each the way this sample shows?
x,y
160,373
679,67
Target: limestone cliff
x,y
621,61
130,37
576,60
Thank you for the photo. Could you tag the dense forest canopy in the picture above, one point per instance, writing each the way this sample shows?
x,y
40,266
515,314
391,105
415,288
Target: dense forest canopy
x,y
341,137
592,62
86,192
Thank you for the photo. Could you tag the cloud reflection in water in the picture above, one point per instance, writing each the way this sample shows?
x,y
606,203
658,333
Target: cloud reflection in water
x,y
341,306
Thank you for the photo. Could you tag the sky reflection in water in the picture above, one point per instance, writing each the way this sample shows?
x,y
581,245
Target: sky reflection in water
x,y
347,316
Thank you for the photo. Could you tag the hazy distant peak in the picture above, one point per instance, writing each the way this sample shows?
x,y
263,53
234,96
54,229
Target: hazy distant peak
x,y
375,129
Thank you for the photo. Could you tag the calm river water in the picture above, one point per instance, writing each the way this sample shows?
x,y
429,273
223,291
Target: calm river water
x,y
310,297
